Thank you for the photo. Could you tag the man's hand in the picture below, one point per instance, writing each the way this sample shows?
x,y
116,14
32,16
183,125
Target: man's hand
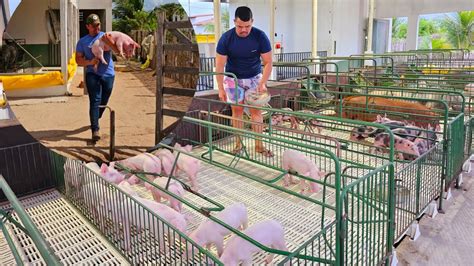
x,y
222,95
261,88
93,61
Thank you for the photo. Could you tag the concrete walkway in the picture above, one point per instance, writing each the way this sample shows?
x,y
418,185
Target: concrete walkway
x,y
62,123
448,239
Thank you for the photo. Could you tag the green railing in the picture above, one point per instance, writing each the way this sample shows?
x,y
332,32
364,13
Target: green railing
x,y
455,147
344,149
140,234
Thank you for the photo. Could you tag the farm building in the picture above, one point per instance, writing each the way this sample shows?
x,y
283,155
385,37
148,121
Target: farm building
x,y
358,137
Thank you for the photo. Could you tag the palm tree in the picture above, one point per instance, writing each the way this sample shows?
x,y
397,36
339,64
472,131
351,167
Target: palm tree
x,y
426,30
123,11
399,28
172,10
458,28
224,22
142,20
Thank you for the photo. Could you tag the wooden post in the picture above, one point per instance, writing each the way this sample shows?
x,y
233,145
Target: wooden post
x,y
159,76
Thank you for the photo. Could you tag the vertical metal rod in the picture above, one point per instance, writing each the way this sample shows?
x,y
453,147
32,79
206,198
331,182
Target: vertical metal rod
x,y
159,37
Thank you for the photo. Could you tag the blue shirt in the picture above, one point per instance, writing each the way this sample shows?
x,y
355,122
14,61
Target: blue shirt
x,y
243,54
83,46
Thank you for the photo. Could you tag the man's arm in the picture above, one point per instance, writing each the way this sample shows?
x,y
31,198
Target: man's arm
x,y
267,70
221,60
82,61
107,39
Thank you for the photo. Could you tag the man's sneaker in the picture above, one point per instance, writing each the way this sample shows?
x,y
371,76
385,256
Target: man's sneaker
x,y
95,135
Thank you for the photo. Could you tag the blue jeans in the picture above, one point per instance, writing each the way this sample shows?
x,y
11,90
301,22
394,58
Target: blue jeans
x,y
99,89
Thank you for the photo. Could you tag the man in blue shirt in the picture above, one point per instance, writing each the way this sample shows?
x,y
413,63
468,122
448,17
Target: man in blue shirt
x,y
242,50
99,83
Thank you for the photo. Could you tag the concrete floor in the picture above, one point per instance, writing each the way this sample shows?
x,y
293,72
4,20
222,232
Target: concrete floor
x,y
447,239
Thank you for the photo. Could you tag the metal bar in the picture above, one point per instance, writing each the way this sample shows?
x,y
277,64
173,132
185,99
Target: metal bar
x,y
9,240
160,16
43,247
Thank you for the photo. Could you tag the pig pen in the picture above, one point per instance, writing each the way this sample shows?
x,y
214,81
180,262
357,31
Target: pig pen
x,y
346,221
43,227
447,109
311,222
418,182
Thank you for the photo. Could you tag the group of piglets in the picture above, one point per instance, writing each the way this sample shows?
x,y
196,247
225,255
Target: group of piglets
x,y
237,250
125,46
119,209
410,141
278,119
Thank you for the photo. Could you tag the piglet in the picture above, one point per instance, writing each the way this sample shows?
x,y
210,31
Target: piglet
x,y
408,147
269,233
298,162
167,160
209,232
312,122
142,219
125,45
110,174
174,187
146,162
400,144
94,167
363,132
188,164
98,48
278,118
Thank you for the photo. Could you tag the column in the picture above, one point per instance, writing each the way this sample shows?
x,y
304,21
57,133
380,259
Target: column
x,y
370,26
314,25
217,20
412,34
64,40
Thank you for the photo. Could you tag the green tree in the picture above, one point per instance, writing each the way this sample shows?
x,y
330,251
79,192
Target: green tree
x,y
123,11
142,20
427,27
224,22
458,28
399,28
172,9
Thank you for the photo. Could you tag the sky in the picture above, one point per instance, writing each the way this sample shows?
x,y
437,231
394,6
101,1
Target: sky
x,y
13,4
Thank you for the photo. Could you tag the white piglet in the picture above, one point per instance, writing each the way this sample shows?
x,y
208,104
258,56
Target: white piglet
x,y
188,164
146,162
167,160
173,217
209,232
296,161
174,187
269,233
111,174
124,43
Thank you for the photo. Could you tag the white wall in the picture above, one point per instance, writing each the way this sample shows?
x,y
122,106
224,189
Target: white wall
x,y
33,29
6,7
99,4
342,21
404,8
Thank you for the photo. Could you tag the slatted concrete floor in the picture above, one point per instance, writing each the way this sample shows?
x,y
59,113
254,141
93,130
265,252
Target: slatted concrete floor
x,y
71,237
